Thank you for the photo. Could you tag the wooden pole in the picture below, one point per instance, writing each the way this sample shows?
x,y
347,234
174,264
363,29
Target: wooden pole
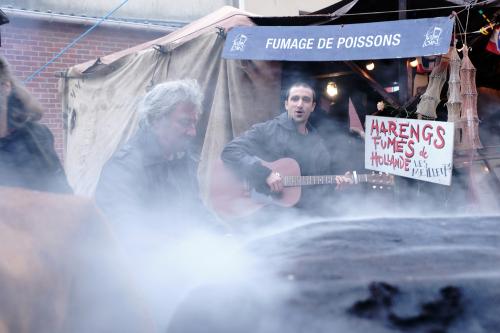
x,y
402,69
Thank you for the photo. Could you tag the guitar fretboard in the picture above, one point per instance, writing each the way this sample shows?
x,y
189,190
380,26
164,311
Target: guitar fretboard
x,y
320,180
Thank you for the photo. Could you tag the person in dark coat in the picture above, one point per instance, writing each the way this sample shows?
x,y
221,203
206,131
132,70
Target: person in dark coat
x,y
27,155
148,191
288,135
150,183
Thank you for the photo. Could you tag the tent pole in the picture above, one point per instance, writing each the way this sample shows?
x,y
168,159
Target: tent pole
x,y
374,84
402,70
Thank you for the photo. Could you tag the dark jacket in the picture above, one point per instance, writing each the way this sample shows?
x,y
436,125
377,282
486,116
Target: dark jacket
x,y
275,139
28,160
139,185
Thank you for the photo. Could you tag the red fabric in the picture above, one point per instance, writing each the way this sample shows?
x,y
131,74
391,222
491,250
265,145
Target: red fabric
x,y
354,121
426,64
494,43
60,270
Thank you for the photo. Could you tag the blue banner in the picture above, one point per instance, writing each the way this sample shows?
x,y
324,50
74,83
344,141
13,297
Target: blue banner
x,y
378,40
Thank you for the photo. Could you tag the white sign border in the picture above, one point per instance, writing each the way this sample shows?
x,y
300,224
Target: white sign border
x,y
438,159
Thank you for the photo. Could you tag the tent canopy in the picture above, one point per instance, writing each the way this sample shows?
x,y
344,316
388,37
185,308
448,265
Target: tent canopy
x,y
100,97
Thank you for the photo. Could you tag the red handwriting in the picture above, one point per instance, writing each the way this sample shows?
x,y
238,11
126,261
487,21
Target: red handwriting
x,y
396,145
408,147
404,132
396,162
423,153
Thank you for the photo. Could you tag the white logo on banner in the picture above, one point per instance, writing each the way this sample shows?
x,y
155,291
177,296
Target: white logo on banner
x,y
239,43
432,36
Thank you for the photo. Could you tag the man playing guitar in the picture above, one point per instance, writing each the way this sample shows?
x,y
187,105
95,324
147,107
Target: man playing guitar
x,y
289,135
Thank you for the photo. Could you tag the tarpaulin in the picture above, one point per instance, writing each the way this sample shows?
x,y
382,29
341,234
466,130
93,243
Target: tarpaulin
x,y
100,104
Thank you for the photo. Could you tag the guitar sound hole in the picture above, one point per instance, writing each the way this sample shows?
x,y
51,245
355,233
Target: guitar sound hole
x,y
276,195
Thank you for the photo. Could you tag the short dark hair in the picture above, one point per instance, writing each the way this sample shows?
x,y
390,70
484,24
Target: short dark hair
x,y
300,84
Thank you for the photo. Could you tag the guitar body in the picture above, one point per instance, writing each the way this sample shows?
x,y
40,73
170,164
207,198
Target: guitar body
x,y
232,198
286,167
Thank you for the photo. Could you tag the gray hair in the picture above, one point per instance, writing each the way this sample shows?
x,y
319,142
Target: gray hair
x,y
164,98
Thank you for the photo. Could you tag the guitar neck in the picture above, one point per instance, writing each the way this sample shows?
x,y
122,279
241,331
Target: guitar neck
x,y
289,181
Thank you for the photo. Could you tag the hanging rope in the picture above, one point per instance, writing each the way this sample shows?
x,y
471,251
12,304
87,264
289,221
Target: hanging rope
x,y
347,14
469,5
461,32
70,45
464,6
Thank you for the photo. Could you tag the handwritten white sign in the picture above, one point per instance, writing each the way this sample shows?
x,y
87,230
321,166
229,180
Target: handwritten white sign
x,y
419,149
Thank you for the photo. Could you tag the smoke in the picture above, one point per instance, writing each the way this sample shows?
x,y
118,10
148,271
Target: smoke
x,y
488,106
304,275
284,271
287,272
173,270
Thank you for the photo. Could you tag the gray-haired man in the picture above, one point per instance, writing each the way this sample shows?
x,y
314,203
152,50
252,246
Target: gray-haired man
x,y
150,183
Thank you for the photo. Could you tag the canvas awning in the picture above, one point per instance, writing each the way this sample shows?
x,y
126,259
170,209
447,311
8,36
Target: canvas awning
x,y
377,40
101,97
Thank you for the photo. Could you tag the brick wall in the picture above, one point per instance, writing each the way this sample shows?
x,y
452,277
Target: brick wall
x,y
30,44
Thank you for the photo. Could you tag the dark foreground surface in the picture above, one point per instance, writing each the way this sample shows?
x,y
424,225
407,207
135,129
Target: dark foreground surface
x,y
379,275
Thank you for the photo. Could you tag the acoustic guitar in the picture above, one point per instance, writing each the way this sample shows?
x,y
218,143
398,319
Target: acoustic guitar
x,y
233,198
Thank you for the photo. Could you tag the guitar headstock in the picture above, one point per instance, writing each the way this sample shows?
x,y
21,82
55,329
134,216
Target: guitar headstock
x,y
380,180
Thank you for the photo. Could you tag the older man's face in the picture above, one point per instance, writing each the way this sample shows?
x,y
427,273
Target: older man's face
x,y
177,129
